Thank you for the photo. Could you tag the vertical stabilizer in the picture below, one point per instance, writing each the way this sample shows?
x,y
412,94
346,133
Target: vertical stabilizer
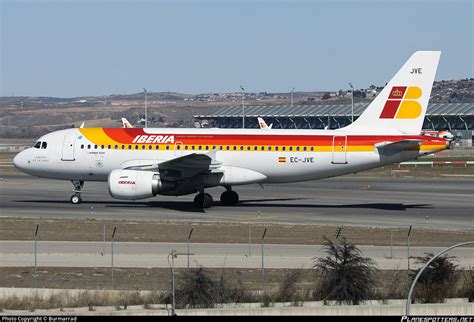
x,y
401,105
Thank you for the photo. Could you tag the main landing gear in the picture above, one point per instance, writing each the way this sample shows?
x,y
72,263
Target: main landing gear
x,y
204,200
76,197
229,197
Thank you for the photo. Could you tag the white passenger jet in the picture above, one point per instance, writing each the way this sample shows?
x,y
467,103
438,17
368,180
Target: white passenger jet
x,y
140,163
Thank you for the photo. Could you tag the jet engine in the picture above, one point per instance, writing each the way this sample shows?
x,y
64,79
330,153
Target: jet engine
x,y
133,184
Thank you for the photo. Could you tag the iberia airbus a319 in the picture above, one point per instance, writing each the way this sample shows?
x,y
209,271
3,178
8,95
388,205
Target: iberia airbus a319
x,y
139,163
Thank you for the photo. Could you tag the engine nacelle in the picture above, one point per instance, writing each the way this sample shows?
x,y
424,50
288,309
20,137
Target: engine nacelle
x,y
133,184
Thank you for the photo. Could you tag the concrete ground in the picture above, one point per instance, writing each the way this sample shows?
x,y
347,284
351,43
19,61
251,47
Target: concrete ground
x,y
433,203
210,255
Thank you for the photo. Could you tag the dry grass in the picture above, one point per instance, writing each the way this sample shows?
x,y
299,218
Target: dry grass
x,y
12,228
65,299
281,286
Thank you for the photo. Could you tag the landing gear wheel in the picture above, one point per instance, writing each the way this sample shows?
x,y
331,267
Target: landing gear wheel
x,y
229,198
203,200
75,199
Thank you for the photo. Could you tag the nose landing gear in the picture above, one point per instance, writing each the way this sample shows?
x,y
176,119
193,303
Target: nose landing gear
x,y
76,197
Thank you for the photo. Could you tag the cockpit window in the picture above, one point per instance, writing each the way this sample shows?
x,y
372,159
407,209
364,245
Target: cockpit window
x,y
44,145
37,145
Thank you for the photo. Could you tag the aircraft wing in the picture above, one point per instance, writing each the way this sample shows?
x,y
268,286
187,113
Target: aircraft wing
x,y
180,167
399,145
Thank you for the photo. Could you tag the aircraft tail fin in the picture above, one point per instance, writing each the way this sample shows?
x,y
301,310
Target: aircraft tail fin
x,y
401,105
263,125
126,123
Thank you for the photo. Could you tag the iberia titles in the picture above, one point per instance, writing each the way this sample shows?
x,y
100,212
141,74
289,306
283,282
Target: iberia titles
x,y
159,139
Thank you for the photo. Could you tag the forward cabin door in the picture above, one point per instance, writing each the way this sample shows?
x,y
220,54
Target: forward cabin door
x,y
339,149
68,147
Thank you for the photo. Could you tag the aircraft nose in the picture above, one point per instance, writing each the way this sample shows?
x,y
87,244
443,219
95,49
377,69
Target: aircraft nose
x,y
19,161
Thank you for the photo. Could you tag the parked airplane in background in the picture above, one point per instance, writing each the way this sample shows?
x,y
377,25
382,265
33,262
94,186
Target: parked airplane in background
x,y
439,134
126,123
140,163
263,125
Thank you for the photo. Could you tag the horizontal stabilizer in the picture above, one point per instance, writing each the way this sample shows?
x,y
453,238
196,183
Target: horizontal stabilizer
x,y
399,145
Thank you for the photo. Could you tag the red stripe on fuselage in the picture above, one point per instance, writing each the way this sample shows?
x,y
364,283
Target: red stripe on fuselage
x,y
126,136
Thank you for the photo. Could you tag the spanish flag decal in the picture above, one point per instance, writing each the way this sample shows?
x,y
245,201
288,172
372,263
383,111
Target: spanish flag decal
x,y
281,159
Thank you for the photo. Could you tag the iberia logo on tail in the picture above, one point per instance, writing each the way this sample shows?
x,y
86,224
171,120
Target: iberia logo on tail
x,y
402,103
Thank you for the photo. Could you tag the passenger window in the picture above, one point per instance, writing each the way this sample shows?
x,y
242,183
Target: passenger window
x,y
304,148
262,148
136,147
241,148
185,147
207,147
255,148
235,147
192,147
143,147
167,147
200,147
88,146
109,146
116,147
82,146
269,148
129,147
95,146
312,148
102,146
37,145
178,147
213,147
283,148
150,147
248,148
220,148
276,148
157,147
297,148
227,148
291,148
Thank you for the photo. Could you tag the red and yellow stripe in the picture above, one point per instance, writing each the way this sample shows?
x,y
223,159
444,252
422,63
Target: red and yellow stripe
x,y
118,137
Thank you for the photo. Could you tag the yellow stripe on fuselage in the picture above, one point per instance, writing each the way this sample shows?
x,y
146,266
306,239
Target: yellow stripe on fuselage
x,y
97,136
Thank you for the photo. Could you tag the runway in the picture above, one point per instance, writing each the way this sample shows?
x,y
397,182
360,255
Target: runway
x,y
348,200
211,255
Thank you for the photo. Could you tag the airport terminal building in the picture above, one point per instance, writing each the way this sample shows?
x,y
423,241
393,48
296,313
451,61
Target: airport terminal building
x,y
458,118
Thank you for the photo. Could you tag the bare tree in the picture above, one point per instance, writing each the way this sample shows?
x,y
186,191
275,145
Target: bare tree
x,y
345,275
288,290
437,281
195,289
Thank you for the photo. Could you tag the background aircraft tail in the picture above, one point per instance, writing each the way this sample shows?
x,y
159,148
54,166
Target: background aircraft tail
x,y
263,125
401,105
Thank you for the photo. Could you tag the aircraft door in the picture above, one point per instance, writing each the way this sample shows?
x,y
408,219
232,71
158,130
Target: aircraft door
x,y
339,149
68,147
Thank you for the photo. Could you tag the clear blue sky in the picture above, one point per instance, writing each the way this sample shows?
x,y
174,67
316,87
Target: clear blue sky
x,y
79,48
